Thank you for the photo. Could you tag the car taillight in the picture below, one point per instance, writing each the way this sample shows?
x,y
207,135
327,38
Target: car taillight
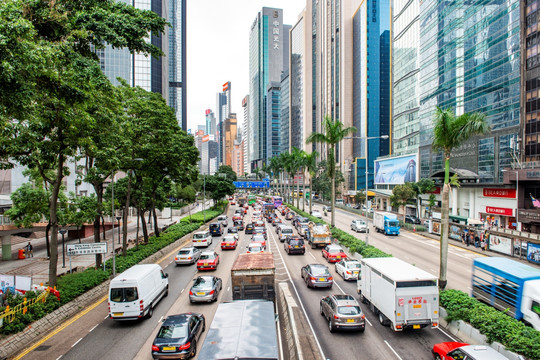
x,y
290,246
312,278
141,306
330,278
176,258
211,292
349,272
185,346
190,292
155,348
336,317
363,317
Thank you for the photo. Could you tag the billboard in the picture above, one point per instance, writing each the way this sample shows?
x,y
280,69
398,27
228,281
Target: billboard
x,y
500,244
396,170
533,252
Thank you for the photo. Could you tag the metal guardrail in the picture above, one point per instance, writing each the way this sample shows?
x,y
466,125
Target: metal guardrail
x,y
10,313
516,233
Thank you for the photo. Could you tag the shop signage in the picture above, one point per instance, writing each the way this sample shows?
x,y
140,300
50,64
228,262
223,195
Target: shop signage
x,y
500,193
527,216
499,211
500,244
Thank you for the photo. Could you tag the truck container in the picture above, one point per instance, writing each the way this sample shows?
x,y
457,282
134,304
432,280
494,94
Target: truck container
x,y
244,329
402,295
253,276
509,286
386,223
318,235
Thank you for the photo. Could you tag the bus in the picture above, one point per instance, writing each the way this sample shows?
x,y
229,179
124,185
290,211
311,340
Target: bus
x,y
252,199
277,200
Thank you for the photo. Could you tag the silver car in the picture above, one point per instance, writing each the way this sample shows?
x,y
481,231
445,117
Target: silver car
x,y
359,225
205,289
188,255
343,312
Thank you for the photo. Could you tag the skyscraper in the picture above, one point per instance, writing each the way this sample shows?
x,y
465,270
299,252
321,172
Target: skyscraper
x,y
223,109
266,58
177,60
246,134
371,86
210,122
298,93
230,128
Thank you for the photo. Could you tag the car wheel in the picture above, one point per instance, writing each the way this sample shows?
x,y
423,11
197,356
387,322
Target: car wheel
x,y
166,292
194,350
150,312
382,319
331,326
321,310
437,357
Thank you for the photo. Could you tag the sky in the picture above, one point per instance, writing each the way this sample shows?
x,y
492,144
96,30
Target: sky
x,y
218,48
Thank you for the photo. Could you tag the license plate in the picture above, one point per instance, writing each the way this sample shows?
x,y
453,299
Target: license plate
x,y
322,279
350,320
205,264
169,348
118,314
339,257
201,293
416,326
417,306
355,273
296,246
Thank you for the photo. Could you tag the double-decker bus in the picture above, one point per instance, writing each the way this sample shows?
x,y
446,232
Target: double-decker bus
x,y
277,200
252,199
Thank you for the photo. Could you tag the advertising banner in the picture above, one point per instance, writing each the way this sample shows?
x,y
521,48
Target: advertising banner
x,y
500,244
533,252
395,171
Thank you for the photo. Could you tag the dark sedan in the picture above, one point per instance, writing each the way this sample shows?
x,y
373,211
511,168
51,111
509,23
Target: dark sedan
x,y
317,275
410,219
249,228
177,338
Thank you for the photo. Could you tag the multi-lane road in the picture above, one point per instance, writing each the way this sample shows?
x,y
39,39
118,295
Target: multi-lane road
x,y
94,336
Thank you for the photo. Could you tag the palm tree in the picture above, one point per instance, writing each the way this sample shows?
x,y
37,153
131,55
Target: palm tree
x,y
275,168
311,167
257,173
288,164
449,133
333,134
297,157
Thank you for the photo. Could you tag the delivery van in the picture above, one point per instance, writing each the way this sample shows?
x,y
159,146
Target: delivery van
x,y
134,293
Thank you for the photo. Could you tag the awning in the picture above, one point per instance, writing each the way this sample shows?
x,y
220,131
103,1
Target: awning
x,y
471,221
457,218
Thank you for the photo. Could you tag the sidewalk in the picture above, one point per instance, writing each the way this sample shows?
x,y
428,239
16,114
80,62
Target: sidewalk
x,y
38,266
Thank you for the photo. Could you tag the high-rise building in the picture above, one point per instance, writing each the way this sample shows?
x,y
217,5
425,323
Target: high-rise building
x,y
273,119
285,136
210,127
267,45
202,128
229,136
246,134
223,109
371,88
238,155
177,60
298,93
470,62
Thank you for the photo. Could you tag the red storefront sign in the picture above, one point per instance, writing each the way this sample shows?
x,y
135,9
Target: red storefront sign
x,y
499,211
500,193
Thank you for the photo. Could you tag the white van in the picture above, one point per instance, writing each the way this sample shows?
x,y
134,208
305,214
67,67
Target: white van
x,y
134,293
202,239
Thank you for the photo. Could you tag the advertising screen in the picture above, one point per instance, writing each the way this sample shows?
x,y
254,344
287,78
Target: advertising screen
x,y
395,171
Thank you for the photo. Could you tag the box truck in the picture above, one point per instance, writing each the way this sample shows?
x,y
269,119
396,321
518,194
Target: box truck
x,y
253,276
244,329
509,286
402,295
386,223
134,293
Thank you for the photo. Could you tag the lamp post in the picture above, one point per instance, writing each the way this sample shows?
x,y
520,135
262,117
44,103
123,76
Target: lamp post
x,y
367,138
204,199
112,215
63,232
118,219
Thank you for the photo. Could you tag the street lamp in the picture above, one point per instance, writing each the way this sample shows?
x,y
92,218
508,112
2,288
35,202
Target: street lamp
x,y
63,232
118,219
367,138
112,215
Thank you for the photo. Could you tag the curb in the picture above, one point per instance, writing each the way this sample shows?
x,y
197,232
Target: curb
x,y
18,342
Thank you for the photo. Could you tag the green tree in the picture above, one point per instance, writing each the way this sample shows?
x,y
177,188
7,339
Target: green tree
x,y
334,132
421,187
402,195
449,133
186,193
360,197
296,160
82,210
218,187
227,170
322,183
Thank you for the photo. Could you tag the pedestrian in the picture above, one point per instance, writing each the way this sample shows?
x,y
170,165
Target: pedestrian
x,y
483,244
29,250
463,237
468,239
476,240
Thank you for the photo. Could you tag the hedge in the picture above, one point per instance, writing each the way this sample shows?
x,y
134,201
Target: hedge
x,y
72,285
353,243
494,324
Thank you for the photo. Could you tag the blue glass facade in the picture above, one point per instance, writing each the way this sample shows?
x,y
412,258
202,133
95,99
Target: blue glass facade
x,y
177,60
470,62
371,86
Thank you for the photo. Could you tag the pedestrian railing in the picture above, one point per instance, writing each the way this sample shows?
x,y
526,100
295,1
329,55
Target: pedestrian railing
x,y
8,315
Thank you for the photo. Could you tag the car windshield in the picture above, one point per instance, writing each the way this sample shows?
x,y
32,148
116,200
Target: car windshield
x,y
207,256
353,265
286,231
228,238
296,242
319,270
258,238
199,236
349,310
255,248
124,294
222,218
334,250
173,331
202,283
184,252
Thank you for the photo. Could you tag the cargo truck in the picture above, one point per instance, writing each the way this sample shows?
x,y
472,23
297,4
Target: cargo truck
x,y
253,276
402,295
386,223
244,329
509,286
318,235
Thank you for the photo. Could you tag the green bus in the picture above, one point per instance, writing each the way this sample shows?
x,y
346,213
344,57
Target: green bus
x,y
252,199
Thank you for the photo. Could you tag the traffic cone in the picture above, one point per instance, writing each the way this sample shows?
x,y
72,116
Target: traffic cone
x,y
414,228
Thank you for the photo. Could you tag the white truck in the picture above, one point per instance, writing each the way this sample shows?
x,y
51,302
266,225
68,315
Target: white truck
x,y
134,293
402,295
386,223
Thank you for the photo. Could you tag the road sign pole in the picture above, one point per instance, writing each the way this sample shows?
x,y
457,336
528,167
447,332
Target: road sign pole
x,y
70,264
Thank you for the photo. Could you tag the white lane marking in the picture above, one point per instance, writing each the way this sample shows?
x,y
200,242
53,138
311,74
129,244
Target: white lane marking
x,y
59,357
449,336
95,326
309,252
229,288
161,318
301,304
105,318
76,342
182,291
394,351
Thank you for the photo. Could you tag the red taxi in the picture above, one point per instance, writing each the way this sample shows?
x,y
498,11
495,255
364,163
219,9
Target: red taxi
x,y
333,253
209,260
229,242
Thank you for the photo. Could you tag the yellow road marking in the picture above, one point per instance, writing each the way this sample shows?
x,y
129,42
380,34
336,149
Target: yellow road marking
x,y
84,312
